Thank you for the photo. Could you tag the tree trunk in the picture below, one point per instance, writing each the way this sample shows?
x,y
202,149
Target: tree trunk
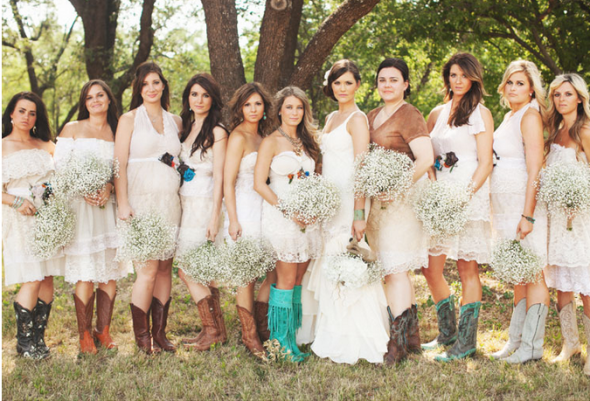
x,y
29,58
288,62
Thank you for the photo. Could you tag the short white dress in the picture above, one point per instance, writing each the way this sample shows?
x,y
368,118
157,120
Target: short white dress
x,y
152,186
474,242
290,245
91,254
22,171
569,251
508,185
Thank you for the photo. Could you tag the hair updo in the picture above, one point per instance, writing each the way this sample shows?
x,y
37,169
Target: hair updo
x,y
340,68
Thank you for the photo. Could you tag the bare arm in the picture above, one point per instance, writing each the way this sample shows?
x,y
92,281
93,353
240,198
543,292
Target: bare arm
x,y
122,145
484,143
359,130
430,123
422,150
235,153
219,148
266,152
585,137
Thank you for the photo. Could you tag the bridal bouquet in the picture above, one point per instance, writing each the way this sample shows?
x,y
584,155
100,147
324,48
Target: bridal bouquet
x,y
55,224
85,175
145,237
441,206
311,198
565,187
246,260
203,263
351,271
382,173
514,264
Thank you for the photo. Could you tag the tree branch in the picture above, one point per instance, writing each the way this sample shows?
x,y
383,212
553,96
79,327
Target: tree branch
x,y
30,59
69,116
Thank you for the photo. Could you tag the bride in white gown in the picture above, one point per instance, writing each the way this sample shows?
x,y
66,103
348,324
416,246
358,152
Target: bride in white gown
x,y
351,324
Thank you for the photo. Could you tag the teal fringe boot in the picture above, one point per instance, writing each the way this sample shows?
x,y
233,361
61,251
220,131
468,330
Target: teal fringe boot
x,y
281,322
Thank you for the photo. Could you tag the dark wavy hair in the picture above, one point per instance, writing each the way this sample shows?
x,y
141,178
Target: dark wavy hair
x,y
141,72
340,68
205,137
240,97
474,72
112,112
41,129
399,65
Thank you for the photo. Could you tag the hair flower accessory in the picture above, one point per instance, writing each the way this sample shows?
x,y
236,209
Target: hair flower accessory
x,y
326,76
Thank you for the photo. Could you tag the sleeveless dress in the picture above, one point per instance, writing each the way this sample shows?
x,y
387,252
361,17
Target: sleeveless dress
x,y
91,254
22,171
569,251
290,245
351,324
508,186
393,230
474,242
152,186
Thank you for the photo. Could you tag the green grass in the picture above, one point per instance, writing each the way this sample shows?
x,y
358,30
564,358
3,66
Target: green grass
x,y
229,372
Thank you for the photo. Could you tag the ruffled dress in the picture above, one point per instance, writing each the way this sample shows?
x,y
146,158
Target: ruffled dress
x,y
508,186
91,254
568,255
474,242
22,171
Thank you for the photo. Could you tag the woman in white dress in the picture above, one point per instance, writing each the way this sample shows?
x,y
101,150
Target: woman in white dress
x,y
518,145
286,151
90,257
27,163
392,228
568,269
147,185
204,141
251,120
462,129
350,325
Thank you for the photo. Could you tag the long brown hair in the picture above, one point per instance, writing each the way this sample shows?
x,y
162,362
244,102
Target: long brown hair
x,y
141,72
474,72
112,112
240,97
307,130
41,130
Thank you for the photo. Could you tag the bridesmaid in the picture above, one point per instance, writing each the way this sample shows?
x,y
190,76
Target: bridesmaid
x,y
289,149
568,270
392,228
518,144
249,108
90,257
26,163
462,127
146,184
204,141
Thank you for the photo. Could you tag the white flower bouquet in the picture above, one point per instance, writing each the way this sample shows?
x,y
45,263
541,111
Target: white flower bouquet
x,y
145,237
565,187
203,263
351,271
514,264
246,260
85,175
382,173
441,206
55,224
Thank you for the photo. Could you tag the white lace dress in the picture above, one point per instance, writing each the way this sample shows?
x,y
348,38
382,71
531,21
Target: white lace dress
x,y
22,171
91,254
288,242
508,186
569,251
474,242
351,324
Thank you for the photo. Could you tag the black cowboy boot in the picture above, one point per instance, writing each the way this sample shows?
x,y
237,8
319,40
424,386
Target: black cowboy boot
x,y
447,324
41,313
467,341
25,342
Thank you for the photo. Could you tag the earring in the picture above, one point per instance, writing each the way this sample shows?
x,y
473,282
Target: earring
x,y
34,129
11,121
264,116
189,109
530,94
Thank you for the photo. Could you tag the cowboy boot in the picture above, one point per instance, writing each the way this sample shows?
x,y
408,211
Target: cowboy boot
x,y
447,324
533,335
159,321
281,322
586,320
297,307
569,332
41,313
396,347
211,333
514,331
25,344
219,314
249,334
261,316
141,329
413,332
84,316
104,313
467,341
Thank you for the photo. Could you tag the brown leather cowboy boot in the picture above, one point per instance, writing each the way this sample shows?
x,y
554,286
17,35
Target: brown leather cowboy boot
x,y
210,334
261,317
396,347
84,316
218,313
104,313
413,332
141,329
159,321
249,335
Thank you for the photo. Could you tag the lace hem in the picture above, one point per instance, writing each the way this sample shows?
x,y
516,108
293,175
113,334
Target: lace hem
x,y
92,245
393,263
473,244
98,267
568,279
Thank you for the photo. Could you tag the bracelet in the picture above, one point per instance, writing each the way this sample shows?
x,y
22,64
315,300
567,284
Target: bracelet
x,y
359,214
18,202
529,219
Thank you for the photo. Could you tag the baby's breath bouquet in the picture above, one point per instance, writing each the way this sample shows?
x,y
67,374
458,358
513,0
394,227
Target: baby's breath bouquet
x,y
382,173
203,263
312,198
145,237
55,224
566,188
514,264
246,260
351,271
441,206
85,175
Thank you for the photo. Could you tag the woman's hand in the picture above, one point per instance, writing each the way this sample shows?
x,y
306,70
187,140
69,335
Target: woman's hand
x,y
300,223
235,230
213,229
27,208
125,211
358,229
524,228
101,197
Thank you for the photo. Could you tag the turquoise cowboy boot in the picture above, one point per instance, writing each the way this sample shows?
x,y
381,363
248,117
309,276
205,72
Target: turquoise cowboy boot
x,y
467,341
447,324
281,322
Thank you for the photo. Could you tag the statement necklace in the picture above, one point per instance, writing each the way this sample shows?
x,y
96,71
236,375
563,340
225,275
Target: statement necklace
x,y
297,144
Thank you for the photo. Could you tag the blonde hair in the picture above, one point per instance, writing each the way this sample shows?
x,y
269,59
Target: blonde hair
x,y
531,71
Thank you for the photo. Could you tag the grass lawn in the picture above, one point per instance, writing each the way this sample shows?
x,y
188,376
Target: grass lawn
x,y
229,372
